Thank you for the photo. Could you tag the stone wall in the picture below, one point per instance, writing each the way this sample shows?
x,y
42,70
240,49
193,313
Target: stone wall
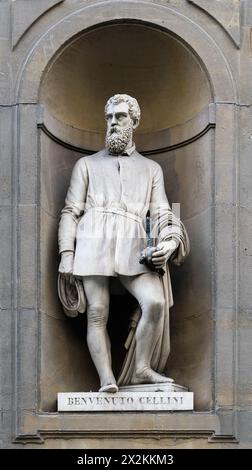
x,y
196,57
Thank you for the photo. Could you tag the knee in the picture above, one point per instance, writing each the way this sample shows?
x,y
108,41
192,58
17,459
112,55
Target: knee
x,y
157,304
154,308
97,314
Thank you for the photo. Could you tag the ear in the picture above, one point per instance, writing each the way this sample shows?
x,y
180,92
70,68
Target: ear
x,y
135,123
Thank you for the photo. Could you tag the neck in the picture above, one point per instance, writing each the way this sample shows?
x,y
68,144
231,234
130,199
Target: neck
x,y
129,144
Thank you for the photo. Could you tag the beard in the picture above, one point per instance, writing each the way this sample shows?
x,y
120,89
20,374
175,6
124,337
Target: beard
x,y
117,139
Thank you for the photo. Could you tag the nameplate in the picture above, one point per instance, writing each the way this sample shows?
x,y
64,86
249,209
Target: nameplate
x,y
126,401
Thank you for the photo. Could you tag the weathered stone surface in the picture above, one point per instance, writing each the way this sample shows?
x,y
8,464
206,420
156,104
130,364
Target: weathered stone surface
x,y
225,273
28,256
56,168
6,139
5,365
49,261
25,13
6,429
65,360
244,388
225,148
27,323
224,381
226,12
5,258
188,174
190,361
246,12
245,166
245,254
246,66
245,428
6,78
28,163
194,278
245,358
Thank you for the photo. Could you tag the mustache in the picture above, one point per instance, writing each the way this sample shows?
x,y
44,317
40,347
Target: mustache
x,y
114,130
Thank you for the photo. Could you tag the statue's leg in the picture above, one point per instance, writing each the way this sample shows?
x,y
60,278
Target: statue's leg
x,y
148,290
97,294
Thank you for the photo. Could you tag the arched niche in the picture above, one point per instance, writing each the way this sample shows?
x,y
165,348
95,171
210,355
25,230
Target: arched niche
x,y
166,78
176,130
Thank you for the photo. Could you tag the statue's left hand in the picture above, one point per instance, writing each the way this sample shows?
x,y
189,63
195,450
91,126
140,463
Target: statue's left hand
x,y
163,252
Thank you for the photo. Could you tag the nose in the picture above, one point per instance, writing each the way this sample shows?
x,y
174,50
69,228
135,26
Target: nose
x,y
113,121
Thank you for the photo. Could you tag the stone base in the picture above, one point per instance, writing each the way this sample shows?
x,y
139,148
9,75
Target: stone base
x,y
161,387
150,397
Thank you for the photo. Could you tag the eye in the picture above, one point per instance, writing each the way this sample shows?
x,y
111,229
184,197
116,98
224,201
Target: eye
x,y
121,115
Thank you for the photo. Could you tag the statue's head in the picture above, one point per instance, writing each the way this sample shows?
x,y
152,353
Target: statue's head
x,y
122,113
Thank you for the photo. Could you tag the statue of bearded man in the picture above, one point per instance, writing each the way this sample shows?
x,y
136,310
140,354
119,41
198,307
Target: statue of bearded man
x,y
102,234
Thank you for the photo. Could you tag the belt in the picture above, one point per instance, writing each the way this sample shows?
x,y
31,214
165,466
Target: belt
x,y
116,211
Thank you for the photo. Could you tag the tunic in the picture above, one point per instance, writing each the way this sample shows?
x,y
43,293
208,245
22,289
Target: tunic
x,y
103,220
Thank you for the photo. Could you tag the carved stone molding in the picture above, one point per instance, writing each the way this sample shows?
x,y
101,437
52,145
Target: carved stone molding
x,y
36,427
22,22
154,143
226,13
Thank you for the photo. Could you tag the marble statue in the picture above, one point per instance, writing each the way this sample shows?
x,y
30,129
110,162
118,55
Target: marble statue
x,y
115,198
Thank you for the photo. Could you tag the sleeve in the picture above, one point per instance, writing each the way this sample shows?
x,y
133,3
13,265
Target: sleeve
x,y
74,207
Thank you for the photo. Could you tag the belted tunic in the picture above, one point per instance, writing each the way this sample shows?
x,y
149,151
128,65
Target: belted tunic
x,y
103,220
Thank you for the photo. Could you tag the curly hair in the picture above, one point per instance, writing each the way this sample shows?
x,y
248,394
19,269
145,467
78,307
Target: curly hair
x,y
134,108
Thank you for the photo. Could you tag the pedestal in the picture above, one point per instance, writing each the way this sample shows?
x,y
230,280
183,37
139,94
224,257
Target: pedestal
x,y
154,397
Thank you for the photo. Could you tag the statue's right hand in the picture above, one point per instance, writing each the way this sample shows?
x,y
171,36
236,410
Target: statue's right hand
x,y
66,263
